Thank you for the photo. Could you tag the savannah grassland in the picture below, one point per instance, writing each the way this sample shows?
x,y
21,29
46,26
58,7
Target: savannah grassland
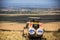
x,y
18,27
17,35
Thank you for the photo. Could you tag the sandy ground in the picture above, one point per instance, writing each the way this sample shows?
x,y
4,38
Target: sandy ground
x,y
19,26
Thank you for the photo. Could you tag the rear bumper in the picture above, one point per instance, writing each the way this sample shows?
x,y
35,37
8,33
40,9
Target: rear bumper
x,y
35,36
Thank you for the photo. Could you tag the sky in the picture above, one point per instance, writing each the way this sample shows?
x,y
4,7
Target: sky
x,y
29,3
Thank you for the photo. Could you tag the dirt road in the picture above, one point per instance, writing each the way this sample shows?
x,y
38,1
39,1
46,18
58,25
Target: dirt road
x,y
19,26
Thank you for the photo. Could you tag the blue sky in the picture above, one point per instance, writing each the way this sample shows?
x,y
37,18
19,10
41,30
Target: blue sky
x,y
29,3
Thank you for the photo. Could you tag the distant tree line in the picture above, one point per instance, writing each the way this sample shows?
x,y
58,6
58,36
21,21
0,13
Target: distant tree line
x,y
17,12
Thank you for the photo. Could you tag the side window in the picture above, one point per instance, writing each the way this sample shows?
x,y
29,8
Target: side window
x,y
36,26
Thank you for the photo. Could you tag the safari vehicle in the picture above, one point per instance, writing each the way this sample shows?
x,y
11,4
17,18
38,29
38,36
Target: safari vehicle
x,y
34,30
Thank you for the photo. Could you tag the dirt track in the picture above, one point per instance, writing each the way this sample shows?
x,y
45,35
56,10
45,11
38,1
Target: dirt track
x,y
19,26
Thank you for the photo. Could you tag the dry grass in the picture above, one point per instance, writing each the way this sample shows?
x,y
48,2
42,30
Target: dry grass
x,y
17,35
52,35
11,25
52,26
12,35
